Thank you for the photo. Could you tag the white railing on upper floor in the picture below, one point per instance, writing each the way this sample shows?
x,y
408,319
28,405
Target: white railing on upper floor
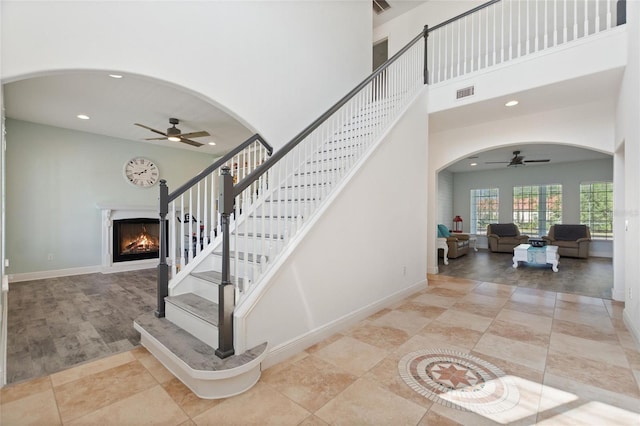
x,y
504,30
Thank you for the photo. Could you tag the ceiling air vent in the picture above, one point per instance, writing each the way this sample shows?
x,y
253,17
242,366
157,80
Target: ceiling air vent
x,y
467,91
380,6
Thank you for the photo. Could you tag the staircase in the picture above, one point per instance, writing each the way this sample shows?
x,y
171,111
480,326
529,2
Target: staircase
x,y
220,253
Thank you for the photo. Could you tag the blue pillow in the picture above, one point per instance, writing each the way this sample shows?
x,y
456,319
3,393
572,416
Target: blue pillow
x,y
443,231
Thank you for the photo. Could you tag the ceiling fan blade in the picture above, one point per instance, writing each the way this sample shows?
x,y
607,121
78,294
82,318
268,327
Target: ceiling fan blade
x,y
190,142
496,162
156,139
194,134
149,128
537,161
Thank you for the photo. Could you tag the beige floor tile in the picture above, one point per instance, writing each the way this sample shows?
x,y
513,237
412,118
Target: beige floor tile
x,y
434,419
541,323
36,409
581,300
366,402
531,356
427,311
480,304
311,382
460,416
323,343
626,340
468,320
447,292
531,308
260,405
90,368
383,337
435,300
152,406
601,333
581,317
352,355
405,321
614,308
495,290
21,390
458,336
595,373
562,395
387,375
90,393
313,420
419,343
189,402
281,366
587,348
633,356
522,333
156,369
589,308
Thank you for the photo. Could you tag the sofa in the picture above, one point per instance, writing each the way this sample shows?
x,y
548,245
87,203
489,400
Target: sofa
x,y
504,237
572,240
458,244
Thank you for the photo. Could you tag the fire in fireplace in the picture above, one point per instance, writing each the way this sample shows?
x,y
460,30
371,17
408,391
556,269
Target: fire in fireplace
x,y
135,239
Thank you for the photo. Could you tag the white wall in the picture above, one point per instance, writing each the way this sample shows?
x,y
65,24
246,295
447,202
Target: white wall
x,y
402,29
445,198
627,140
55,177
369,245
275,65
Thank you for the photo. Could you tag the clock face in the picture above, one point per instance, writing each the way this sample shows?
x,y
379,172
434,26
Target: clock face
x,y
141,172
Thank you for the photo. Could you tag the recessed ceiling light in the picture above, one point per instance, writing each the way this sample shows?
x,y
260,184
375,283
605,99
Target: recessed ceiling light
x,y
115,76
83,116
212,143
473,164
511,103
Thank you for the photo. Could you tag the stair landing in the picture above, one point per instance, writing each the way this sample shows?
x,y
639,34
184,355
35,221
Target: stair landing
x,y
195,363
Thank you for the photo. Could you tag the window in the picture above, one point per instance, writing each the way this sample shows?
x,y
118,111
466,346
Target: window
x,y
484,209
596,208
536,208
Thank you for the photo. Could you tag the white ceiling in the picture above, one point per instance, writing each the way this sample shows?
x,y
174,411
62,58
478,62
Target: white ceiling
x,y
113,105
398,7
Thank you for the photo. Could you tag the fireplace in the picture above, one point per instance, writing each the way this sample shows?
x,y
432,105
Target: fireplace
x,y
136,239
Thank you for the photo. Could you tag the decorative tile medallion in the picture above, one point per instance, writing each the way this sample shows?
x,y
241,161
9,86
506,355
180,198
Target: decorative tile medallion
x,y
459,381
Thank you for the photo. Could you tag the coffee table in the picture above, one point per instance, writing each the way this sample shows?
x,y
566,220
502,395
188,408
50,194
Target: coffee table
x,y
536,255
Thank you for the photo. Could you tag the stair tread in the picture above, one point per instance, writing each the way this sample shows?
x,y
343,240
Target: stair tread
x,y
250,256
197,306
214,277
192,351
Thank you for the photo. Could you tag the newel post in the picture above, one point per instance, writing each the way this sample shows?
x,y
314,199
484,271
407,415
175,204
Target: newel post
x,y
226,293
426,67
163,268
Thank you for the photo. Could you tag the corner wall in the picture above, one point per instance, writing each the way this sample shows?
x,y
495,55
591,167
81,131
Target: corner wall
x,y
367,249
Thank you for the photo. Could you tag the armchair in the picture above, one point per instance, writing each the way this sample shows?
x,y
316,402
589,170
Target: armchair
x,y
458,244
572,240
504,237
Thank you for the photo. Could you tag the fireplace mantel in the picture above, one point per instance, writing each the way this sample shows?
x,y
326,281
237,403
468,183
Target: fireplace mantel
x,y
111,212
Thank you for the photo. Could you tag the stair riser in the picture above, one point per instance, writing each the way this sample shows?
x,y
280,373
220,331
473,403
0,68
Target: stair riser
x,y
202,288
292,208
193,325
251,268
256,245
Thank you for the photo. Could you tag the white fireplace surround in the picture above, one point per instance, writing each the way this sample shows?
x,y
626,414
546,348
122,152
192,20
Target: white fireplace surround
x,y
111,212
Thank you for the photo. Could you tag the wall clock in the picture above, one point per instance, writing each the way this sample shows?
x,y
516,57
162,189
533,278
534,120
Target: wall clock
x,y
141,172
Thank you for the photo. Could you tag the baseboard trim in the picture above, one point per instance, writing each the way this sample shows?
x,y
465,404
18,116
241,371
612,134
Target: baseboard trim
x,y
43,275
288,349
633,329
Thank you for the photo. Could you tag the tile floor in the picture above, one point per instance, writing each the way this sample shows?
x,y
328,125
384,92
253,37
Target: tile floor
x,y
571,357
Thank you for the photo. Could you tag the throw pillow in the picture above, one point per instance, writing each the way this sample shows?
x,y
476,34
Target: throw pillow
x,y
443,231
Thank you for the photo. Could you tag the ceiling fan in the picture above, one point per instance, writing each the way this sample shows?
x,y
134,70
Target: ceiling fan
x,y
517,160
175,135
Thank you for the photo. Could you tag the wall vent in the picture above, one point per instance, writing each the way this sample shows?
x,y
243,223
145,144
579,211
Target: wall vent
x,y
467,91
380,6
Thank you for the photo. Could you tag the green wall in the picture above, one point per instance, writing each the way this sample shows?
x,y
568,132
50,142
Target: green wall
x,y
56,177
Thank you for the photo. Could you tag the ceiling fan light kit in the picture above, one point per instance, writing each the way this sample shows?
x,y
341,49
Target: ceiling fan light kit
x,y
174,134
